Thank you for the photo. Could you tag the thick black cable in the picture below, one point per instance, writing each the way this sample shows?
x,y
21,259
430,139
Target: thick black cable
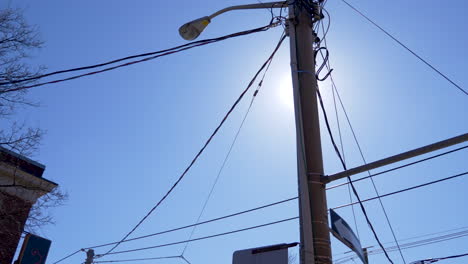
x,y
327,63
132,260
325,31
406,189
324,39
156,54
320,68
229,150
432,236
196,224
374,252
349,178
362,156
424,242
246,211
68,256
203,148
183,227
452,257
414,244
202,238
406,47
400,167
124,58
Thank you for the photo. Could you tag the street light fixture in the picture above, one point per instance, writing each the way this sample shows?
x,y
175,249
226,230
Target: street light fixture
x,y
193,29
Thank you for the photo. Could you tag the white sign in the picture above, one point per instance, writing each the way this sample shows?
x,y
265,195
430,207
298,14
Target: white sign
x,y
343,232
276,254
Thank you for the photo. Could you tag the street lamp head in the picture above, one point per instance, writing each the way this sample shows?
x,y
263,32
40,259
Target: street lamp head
x,y
191,30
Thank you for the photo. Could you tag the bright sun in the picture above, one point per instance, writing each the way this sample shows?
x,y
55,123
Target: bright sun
x,y
285,91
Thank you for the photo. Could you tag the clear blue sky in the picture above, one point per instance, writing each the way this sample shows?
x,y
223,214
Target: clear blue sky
x,y
117,141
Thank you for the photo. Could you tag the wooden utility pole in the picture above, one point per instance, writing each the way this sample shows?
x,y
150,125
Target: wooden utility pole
x,y
315,237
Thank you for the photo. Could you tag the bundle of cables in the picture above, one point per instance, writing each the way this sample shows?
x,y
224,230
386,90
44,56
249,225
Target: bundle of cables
x,y
19,84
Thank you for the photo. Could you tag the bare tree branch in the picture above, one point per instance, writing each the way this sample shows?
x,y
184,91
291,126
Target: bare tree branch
x,y
18,40
39,215
18,138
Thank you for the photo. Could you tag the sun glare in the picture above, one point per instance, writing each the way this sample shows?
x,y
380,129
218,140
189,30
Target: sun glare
x,y
285,91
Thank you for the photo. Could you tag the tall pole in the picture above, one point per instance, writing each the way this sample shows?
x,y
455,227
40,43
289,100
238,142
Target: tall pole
x,y
315,238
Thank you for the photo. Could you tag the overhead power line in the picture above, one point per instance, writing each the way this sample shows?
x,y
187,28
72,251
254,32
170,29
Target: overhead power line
x,y
229,152
413,244
443,258
244,212
202,238
324,40
402,166
454,232
362,156
363,209
407,48
197,224
203,148
277,222
68,256
133,260
183,227
147,56
406,189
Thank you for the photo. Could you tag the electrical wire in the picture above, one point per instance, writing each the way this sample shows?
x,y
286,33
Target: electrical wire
x,y
197,224
403,246
153,55
414,244
68,256
400,167
363,209
406,189
337,116
369,174
202,238
344,166
320,68
406,47
132,260
451,233
230,149
183,227
103,64
444,258
203,148
361,153
341,141
325,31
243,212
280,221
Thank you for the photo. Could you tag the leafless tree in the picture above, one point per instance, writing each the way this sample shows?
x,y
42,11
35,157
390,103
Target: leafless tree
x,y
18,40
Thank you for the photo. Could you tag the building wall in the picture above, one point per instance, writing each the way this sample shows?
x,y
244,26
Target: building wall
x,y
13,215
21,184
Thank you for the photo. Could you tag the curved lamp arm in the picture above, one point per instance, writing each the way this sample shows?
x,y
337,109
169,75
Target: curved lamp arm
x,y
192,29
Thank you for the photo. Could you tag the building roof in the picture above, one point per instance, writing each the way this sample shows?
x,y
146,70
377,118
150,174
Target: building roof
x,y
23,163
